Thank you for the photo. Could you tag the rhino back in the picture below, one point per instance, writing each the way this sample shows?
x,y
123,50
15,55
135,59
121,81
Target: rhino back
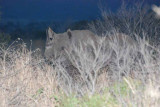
x,y
122,39
83,36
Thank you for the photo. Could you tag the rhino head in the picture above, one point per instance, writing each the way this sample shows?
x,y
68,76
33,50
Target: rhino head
x,y
56,43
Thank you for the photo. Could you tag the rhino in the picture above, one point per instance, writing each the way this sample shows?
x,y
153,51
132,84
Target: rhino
x,y
57,44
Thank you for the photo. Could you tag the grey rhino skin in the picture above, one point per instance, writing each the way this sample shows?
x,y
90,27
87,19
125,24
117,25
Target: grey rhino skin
x,y
56,44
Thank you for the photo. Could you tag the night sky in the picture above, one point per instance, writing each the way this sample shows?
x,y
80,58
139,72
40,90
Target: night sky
x,y
57,10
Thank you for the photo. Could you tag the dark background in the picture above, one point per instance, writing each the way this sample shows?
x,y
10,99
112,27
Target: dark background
x,y
57,10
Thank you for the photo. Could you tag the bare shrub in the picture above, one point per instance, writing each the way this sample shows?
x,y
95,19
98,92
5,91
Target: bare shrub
x,y
131,18
88,60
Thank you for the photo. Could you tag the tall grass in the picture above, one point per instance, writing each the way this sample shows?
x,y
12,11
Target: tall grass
x,y
25,80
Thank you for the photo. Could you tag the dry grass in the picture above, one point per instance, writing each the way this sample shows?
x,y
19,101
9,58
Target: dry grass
x,y
26,80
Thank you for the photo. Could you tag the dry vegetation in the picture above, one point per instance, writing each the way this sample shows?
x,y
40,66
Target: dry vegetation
x,y
130,78
27,80
24,77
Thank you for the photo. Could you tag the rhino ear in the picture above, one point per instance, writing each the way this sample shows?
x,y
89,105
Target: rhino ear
x,y
69,33
50,33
